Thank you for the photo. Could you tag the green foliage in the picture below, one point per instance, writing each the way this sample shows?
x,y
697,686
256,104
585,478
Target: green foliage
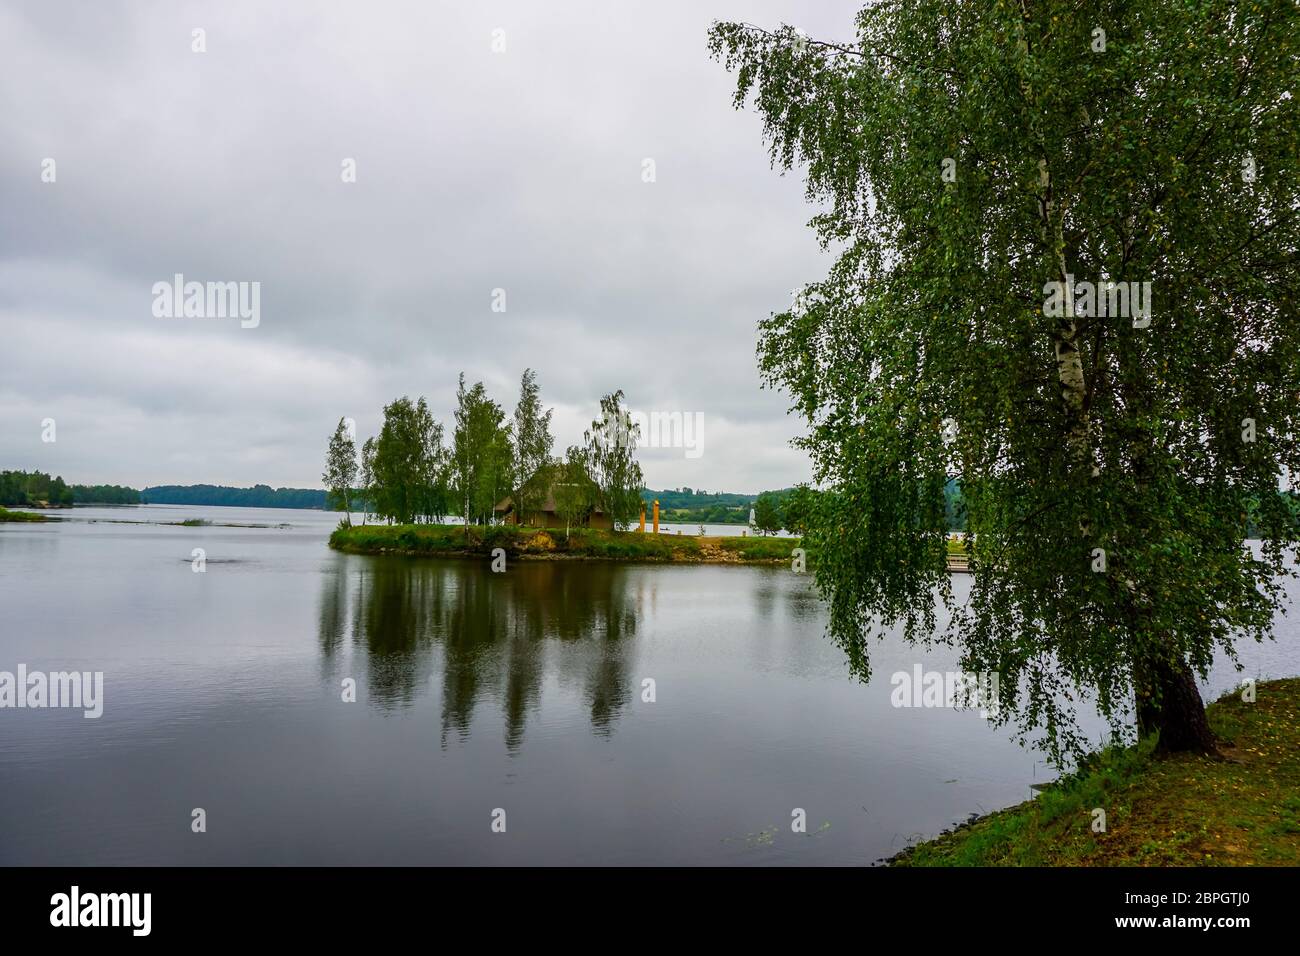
x,y
407,465
767,513
532,446
340,470
397,462
575,492
687,498
925,355
35,488
20,516
409,475
105,495
433,491
687,506
954,506
631,546
482,456
754,548
795,507
366,475
610,457
258,496
450,540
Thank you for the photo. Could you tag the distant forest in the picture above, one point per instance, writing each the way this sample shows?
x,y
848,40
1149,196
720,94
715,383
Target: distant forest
x,y
37,489
676,505
259,496
687,506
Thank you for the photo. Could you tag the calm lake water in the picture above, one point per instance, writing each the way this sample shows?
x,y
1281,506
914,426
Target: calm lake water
x,y
475,692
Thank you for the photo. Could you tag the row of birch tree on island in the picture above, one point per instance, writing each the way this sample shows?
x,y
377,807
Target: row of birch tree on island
x,y
412,472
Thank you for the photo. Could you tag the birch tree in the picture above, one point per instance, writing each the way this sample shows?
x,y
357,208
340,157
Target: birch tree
x,y
610,454
1065,276
532,446
341,470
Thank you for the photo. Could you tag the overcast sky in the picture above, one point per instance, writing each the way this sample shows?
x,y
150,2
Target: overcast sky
x,y
476,170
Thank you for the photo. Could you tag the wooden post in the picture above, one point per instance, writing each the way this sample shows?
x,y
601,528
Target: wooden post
x,y
642,528
656,516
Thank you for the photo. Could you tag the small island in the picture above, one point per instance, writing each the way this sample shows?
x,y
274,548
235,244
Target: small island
x,y
513,495
19,516
590,544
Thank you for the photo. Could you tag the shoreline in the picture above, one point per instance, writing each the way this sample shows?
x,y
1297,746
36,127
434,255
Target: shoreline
x,y
24,517
580,544
1240,808
553,544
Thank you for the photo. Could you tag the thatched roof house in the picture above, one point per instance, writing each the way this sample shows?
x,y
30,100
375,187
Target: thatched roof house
x,y
547,516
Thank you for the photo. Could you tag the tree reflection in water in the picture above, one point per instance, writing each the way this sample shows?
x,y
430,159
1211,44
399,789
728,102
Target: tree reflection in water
x,y
485,636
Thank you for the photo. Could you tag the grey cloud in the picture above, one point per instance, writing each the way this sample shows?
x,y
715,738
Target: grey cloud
x,y
475,171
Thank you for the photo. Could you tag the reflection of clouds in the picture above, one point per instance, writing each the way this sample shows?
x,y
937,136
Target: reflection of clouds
x,y
500,635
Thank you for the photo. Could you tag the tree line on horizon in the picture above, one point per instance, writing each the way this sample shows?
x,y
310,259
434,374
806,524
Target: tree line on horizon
x,y
257,496
795,509
682,505
412,472
24,488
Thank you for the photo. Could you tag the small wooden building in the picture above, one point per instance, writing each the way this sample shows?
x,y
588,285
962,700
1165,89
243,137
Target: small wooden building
x,y
547,516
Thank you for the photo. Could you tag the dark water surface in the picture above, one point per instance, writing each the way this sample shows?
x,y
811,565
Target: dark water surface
x,y
474,691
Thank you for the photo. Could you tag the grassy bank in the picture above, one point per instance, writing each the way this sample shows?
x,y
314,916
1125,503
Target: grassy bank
x,y
579,543
6,515
1240,810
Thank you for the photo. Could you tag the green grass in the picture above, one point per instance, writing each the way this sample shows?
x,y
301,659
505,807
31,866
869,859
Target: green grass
x,y
587,543
630,545
1241,809
20,516
758,548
